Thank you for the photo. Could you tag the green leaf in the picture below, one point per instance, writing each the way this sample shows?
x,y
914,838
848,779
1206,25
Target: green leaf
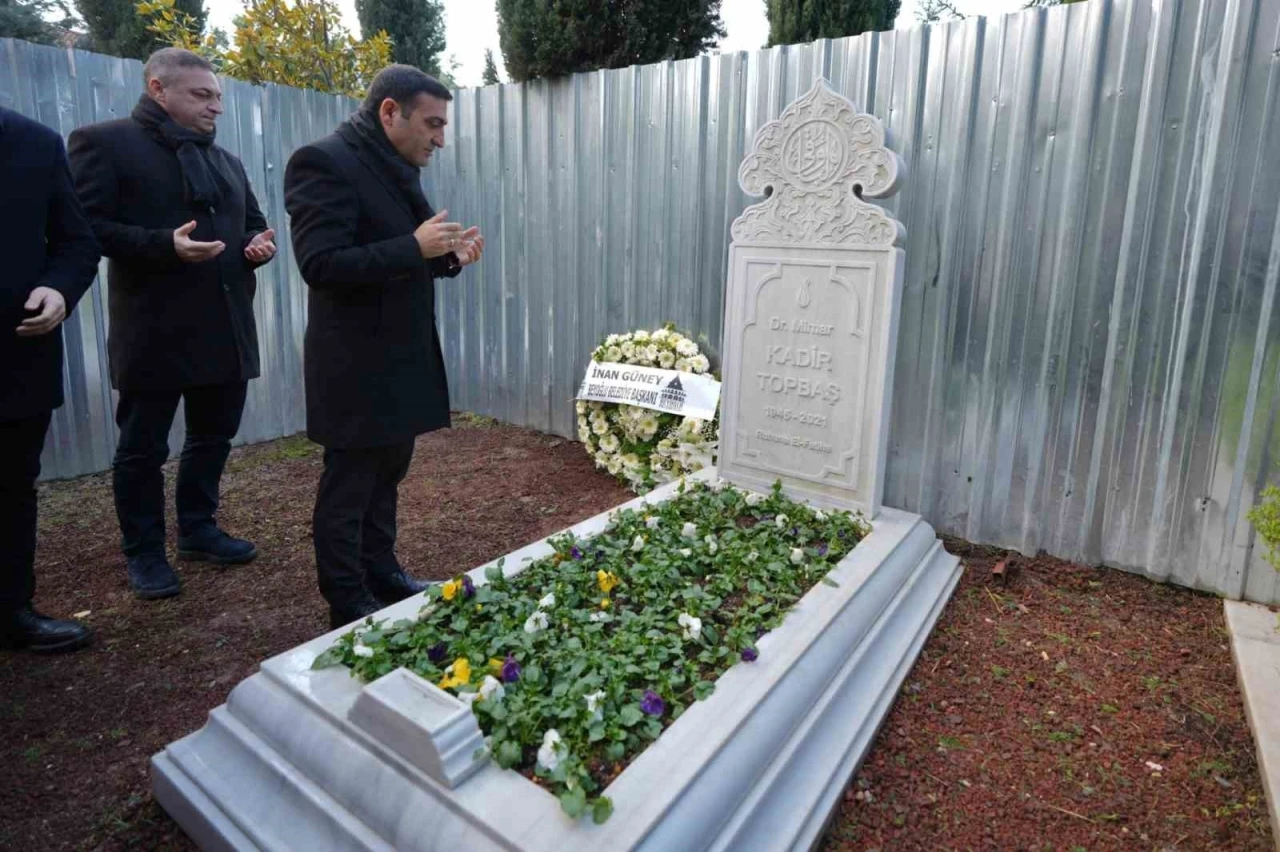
x,y
710,636
755,586
630,715
509,754
574,803
827,581
493,573
702,690
601,810
596,733
615,751
331,657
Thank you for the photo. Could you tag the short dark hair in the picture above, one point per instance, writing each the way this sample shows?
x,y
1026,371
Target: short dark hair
x,y
166,60
403,84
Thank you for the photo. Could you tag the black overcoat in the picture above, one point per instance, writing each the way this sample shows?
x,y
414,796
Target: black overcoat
x,y
45,241
174,324
374,371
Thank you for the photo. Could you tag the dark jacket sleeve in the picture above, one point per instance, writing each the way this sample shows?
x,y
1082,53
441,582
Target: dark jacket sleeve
x,y
323,216
95,182
73,252
445,266
254,222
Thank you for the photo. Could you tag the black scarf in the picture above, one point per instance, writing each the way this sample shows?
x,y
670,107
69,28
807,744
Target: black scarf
x,y
364,129
204,183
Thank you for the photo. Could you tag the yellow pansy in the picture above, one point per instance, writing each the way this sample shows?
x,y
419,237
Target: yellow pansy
x,y
457,674
450,589
607,581
606,603
495,666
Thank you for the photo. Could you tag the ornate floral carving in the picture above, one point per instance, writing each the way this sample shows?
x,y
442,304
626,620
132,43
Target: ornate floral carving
x,y
809,163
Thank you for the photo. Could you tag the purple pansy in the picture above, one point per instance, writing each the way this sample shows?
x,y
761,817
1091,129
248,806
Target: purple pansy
x,y
652,703
750,655
575,553
437,652
510,670
822,549
468,587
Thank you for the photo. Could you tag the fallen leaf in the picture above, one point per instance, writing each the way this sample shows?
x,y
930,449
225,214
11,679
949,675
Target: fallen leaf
x,y
82,614
1154,767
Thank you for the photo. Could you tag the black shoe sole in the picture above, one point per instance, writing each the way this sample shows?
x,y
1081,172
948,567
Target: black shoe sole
x,y
157,594
203,556
63,647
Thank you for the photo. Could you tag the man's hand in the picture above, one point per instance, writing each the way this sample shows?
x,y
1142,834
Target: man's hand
x,y
262,247
53,310
192,251
436,237
469,252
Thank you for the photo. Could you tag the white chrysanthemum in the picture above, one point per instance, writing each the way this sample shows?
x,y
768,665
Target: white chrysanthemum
x,y
631,461
613,353
600,427
687,347
535,622
612,340
628,349
614,465
666,360
797,556
581,407
552,750
691,626
699,363
684,365
609,443
661,335
640,336
584,434
649,425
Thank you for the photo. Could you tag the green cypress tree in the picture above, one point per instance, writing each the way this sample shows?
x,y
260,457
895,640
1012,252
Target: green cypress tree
x,y
490,69
416,28
116,28
551,38
29,20
799,21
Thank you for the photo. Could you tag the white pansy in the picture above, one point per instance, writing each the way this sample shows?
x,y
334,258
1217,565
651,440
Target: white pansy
x,y
753,556
594,700
535,622
797,556
691,627
781,521
598,616
549,600
552,750
754,499
468,698
492,689
687,347
689,530
638,544
362,650
652,522
686,552
712,547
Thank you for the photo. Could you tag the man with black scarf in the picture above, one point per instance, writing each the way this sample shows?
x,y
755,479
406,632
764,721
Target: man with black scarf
x,y
179,224
370,247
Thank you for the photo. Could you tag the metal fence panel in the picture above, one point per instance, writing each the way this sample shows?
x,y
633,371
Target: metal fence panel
x,y
1088,360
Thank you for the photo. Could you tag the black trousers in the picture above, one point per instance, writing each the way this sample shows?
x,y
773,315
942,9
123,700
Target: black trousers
x,y
144,418
20,444
354,524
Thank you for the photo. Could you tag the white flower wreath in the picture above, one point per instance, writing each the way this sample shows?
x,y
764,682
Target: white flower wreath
x,y
640,446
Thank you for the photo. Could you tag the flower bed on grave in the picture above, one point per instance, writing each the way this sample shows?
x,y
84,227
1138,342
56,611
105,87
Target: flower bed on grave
x,y
575,664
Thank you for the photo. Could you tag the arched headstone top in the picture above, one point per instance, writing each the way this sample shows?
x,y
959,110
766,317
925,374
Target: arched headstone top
x,y
813,163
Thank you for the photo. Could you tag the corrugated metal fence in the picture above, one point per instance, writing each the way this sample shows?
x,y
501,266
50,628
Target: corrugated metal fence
x,y
1089,355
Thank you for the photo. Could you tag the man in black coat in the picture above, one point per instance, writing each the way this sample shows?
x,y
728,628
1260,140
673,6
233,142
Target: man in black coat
x,y
179,223
370,246
50,259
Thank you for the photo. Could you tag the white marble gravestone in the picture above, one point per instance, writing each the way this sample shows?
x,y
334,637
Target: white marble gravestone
x,y
811,308
315,761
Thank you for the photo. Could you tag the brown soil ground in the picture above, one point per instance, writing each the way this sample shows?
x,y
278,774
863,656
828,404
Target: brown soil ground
x,y
1028,722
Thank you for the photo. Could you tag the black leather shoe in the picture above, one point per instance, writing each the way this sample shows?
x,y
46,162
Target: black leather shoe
x,y
213,545
357,610
26,628
396,587
152,577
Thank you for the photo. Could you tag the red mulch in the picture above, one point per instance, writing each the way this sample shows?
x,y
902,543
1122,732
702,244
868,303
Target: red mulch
x,y
991,745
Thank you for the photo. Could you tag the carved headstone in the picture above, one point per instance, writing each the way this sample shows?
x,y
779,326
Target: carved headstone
x,y
811,308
